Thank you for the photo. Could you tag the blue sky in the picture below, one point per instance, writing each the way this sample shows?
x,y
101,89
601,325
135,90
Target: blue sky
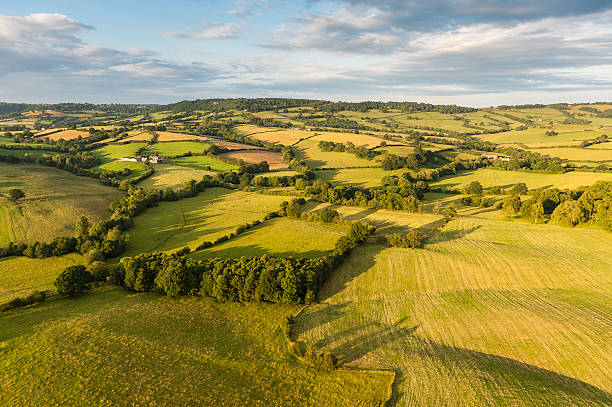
x,y
470,52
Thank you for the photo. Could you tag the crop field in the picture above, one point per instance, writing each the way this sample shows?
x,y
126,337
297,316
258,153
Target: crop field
x,y
488,313
213,213
274,135
191,351
309,151
171,176
177,148
566,133
274,160
138,135
490,178
203,162
54,200
65,135
299,239
21,275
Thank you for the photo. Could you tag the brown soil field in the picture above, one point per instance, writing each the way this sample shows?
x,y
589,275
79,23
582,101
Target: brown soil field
x,y
275,160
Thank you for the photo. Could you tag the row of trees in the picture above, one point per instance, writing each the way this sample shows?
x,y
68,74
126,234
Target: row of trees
x,y
360,152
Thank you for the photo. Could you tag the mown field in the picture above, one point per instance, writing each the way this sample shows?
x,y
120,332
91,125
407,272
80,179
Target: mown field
x,y
489,178
21,275
309,151
280,237
171,176
113,347
54,200
213,213
203,163
488,313
172,149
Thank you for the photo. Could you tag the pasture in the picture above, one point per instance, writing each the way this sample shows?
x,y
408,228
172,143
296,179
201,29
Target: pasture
x,y
215,212
173,149
203,162
490,178
274,160
21,275
280,237
488,313
309,151
112,347
577,154
54,200
171,176
361,177
566,133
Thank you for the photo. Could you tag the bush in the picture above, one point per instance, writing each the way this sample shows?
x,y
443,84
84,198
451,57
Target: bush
x,y
72,281
329,215
16,194
99,271
519,189
412,240
32,298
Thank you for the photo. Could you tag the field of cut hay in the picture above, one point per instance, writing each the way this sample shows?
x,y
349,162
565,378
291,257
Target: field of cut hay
x,y
21,275
213,213
64,134
171,176
171,136
54,200
488,313
282,238
577,153
203,162
113,347
274,160
138,135
309,151
173,149
361,177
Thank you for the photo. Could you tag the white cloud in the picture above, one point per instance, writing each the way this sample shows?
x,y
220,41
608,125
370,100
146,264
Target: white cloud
x,y
217,32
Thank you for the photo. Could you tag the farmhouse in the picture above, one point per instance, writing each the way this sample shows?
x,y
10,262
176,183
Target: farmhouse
x,y
155,159
495,157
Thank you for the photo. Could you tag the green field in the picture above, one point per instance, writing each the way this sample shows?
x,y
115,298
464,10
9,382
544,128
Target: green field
x,y
489,178
566,133
201,162
362,177
213,213
577,153
54,200
171,176
110,155
20,275
112,347
172,149
280,237
489,313
309,151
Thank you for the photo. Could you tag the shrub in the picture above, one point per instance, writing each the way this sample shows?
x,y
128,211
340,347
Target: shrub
x,y
519,189
412,240
72,281
329,215
16,194
99,271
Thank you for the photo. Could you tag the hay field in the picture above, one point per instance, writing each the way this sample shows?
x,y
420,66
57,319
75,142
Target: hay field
x,y
138,135
21,275
213,213
282,238
567,133
488,313
489,178
64,134
171,176
315,158
361,177
364,140
274,160
171,136
54,200
113,347
274,135
203,162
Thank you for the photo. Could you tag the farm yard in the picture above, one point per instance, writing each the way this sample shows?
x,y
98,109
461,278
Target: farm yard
x,y
211,282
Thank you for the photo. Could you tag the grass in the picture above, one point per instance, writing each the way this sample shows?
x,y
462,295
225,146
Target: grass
x,y
170,136
113,347
275,160
538,134
54,200
274,135
171,176
177,148
113,152
280,237
213,213
363,177
315,158
577,153
489,178
21,275
489,313
201,162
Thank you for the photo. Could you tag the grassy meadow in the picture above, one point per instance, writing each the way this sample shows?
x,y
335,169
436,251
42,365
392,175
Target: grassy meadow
x,y
112,347
280,237
54,200
172,149
309,151
213,213
488,313
203,162
172,176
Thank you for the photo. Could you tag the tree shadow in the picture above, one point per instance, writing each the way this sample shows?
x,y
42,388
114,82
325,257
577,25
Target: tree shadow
x,y
448,235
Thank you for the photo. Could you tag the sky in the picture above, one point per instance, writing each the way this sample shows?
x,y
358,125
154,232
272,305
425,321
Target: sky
x,y
467,52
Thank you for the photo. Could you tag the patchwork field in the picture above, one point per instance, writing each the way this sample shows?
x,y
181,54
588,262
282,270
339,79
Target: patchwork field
x,y
274,160
177,148
489,313
309,151
189,351
280,237
171,176
21,275
213,213
203,163
490,178
54,200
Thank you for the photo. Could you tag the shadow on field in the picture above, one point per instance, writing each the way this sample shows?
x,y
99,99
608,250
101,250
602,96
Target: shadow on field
x,y
448,235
